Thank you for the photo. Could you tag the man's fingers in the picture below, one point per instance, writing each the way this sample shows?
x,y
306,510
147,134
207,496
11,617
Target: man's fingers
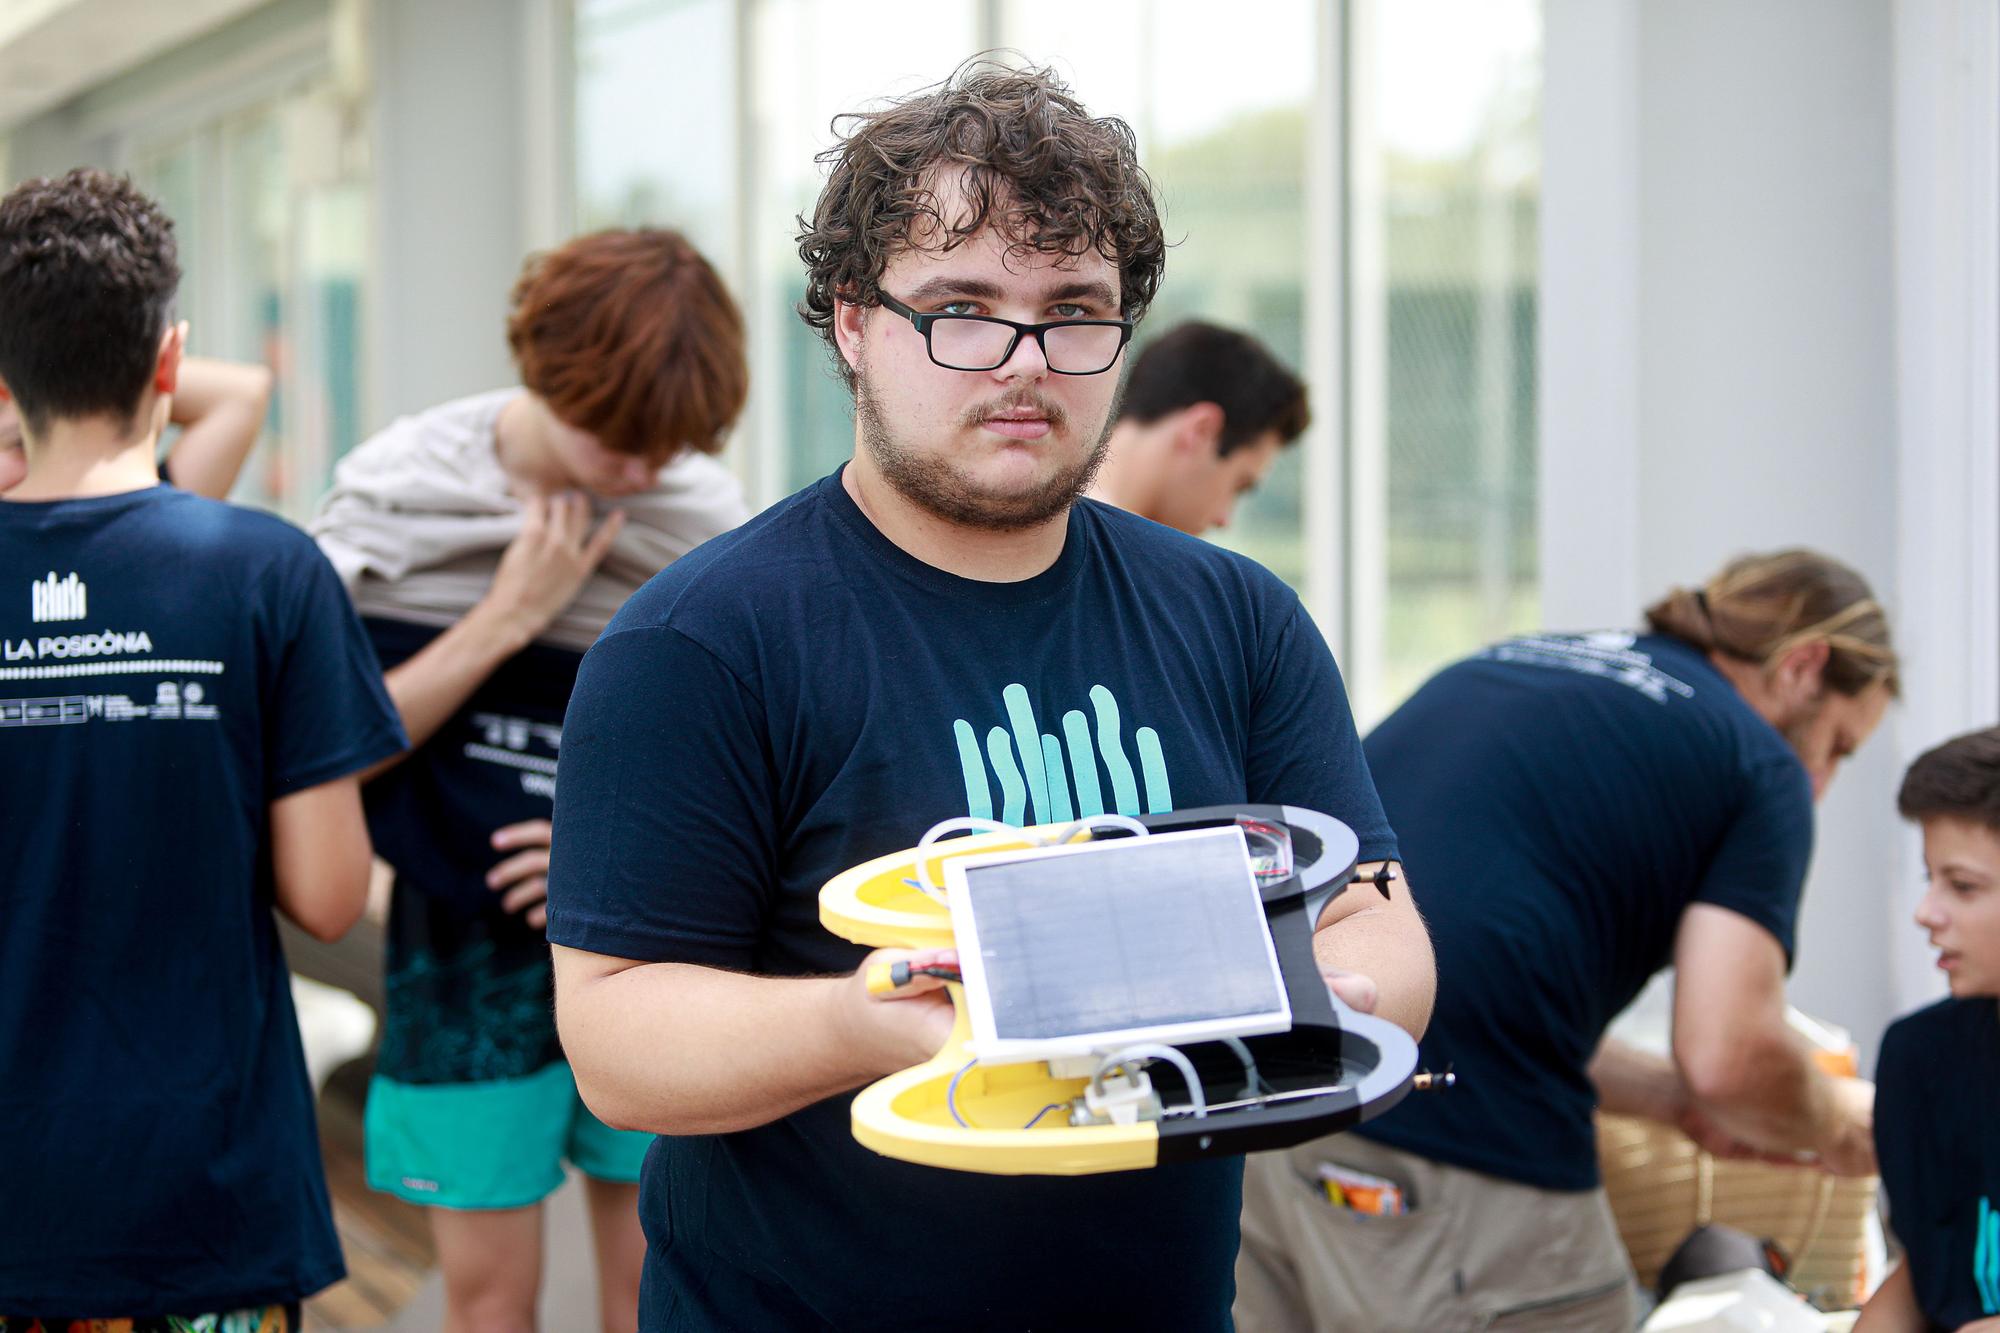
x,y
1357,991
522,895
527,833
534,516
600,543
534,861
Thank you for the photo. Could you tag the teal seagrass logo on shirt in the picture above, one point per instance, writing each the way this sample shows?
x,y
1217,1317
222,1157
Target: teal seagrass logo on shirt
x,y
1986,1257
1057,779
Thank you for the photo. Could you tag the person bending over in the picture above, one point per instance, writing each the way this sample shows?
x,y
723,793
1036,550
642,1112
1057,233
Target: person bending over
x,y
486,543
1578,811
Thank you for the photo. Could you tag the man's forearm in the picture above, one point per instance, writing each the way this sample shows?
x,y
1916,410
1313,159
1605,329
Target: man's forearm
x,y
1386,942
1634,1082
1769,1093
672,1048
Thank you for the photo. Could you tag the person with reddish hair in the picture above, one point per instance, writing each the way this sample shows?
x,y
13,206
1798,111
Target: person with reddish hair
x,y
486,543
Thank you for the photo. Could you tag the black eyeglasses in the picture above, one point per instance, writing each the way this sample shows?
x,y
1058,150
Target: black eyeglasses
x,y
981,342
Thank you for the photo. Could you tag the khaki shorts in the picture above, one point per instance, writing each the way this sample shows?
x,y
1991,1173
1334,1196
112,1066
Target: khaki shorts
x,y
1472,1252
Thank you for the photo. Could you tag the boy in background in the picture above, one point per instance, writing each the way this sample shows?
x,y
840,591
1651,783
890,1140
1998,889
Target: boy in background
x,y
1937,1085
185,700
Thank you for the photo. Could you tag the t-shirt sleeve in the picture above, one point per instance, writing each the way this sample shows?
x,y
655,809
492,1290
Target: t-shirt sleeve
x,y
1304,750
664,847
331,714
1759,870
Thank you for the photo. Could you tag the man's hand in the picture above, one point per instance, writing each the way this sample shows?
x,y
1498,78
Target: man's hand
x,y
902,1027
523,878
1718,1142
1375,952
544,566
1356,991
1851,1149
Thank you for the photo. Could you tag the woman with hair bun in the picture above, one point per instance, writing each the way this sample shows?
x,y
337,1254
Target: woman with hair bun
x,y
1576,812
486,543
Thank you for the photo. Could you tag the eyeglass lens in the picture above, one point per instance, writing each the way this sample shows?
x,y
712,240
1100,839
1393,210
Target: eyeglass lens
x,y
977,344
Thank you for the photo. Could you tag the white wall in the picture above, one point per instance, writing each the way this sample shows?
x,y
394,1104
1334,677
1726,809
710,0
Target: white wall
x,y
454,166
1718,359
449,119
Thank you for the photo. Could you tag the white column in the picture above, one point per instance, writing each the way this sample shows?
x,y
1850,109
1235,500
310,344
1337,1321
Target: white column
x,y
1588,391
1947,210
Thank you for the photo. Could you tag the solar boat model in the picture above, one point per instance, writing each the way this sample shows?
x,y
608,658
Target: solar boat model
x,y
1129,992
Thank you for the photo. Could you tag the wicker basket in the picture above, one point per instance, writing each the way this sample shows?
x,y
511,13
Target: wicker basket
x,y
1662,1187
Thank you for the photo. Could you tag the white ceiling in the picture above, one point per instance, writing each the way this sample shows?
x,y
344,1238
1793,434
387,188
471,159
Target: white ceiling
x,y
51,50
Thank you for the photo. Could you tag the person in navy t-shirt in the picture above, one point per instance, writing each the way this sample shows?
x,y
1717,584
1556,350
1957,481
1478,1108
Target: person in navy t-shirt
x,y
1577,811
185,699
1937,1083
219,407
940,628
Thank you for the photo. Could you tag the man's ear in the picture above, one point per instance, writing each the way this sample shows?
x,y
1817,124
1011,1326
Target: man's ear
x,y
1800,674
167,369
848,317
1198,432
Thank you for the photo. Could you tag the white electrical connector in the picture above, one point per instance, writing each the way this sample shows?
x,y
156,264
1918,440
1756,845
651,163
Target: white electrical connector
x,y
1123,1098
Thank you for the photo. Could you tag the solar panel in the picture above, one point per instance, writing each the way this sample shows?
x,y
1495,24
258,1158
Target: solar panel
x,y
1074,949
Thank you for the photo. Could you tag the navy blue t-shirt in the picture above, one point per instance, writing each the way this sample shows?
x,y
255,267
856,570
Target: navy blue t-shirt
x,y
1937,1137
470,998
169,667
802,695
1560,801
492,763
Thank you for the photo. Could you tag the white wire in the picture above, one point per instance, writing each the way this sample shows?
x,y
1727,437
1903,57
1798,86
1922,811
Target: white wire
x,y
974,824
1152,1051
1070,830
962,824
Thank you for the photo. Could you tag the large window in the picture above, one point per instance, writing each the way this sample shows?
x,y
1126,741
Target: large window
x,y
1444,162
1354,183
272,224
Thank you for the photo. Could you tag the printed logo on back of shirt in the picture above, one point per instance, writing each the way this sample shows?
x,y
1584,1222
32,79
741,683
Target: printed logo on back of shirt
x,y
1609,655
51,599
1030,764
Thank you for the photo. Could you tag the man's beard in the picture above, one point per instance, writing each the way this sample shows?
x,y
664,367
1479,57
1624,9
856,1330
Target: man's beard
x,y
931,483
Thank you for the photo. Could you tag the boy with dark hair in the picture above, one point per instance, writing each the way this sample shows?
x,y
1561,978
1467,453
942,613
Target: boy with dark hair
x,y
1204,414
1937,1084
219,407
185,699
976,262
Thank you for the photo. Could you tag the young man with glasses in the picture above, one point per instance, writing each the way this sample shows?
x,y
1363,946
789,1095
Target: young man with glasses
x,y
854,665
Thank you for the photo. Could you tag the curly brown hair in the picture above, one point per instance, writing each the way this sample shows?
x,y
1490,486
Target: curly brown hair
x,y
1025,156
87,280
630,335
